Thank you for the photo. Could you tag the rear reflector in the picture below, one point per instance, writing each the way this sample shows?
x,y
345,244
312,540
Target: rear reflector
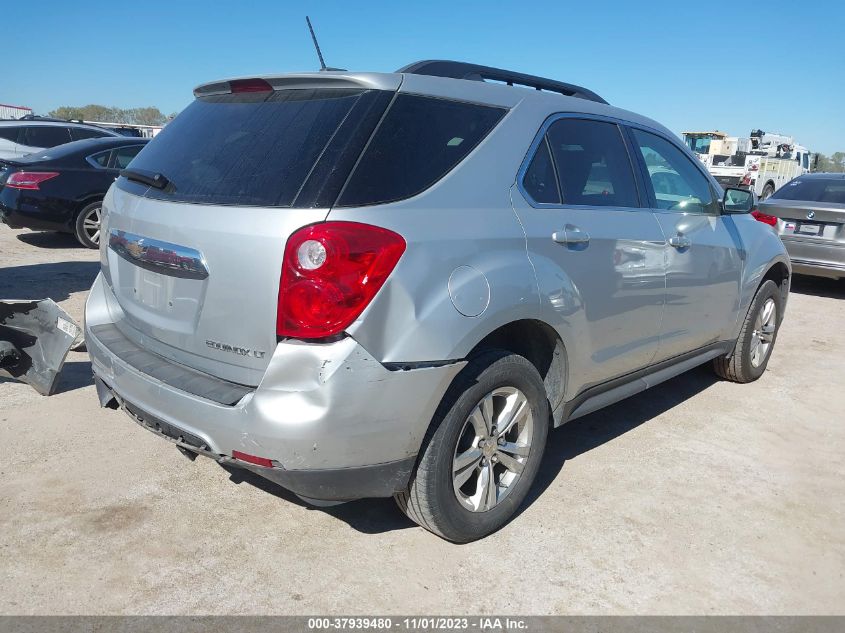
x,y
252,459
29,179
764,218
249,85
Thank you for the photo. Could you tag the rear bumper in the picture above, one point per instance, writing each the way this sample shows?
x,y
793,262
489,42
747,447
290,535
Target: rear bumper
x,y
814,258
30,216
336,423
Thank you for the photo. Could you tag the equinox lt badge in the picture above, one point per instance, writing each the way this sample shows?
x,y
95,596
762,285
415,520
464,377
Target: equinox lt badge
x,y
242,351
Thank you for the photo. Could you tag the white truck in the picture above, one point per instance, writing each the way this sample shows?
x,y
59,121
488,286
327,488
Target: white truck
x,y
761,161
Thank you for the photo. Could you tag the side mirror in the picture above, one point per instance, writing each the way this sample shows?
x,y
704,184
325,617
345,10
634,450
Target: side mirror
x,y
737,201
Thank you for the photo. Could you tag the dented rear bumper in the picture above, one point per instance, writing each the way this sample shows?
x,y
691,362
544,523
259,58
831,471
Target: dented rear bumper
x,y
322,413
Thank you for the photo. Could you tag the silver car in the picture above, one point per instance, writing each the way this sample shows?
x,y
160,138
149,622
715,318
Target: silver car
x,y
809,215
19,137
373,285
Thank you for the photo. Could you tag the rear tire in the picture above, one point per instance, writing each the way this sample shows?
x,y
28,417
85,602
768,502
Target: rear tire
x,y
768,190
87,225
472,476
756,341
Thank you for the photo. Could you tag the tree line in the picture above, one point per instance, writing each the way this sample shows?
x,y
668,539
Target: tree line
x,y
833,163
93,112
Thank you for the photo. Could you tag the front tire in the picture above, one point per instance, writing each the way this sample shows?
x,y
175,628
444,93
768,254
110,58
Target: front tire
x,y
483,449
753,348
87,225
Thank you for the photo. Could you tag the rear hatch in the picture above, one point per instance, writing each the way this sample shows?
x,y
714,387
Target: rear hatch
x,y
195,228
810,209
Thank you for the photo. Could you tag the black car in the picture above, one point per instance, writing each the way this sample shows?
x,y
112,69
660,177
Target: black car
x,y
62,189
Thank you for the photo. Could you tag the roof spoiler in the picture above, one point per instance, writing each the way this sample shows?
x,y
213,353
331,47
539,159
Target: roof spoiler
x,y
474,72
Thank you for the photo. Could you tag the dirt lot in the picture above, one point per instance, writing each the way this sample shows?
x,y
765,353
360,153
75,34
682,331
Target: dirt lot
x,y
698,496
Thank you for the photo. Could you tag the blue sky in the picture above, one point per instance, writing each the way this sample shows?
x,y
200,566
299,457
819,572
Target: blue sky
x,y
690,65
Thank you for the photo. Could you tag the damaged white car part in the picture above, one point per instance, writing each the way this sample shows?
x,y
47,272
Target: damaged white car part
x,y
35,337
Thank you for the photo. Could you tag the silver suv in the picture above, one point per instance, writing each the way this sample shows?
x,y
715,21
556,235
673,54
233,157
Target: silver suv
x,y
19,137
371,285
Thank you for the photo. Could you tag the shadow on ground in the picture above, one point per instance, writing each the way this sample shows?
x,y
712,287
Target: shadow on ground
x,y
56,281
818,286
374,516
49,239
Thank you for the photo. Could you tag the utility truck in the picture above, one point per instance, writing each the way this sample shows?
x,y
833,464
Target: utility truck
x,y
762,162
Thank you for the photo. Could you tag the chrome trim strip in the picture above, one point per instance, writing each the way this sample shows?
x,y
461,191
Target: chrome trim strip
x,y
158,256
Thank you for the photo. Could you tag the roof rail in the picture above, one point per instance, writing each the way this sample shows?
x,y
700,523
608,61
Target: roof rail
x,y
51,119
474,72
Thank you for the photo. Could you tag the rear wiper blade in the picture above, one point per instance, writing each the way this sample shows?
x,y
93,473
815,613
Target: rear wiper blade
x,y
159,181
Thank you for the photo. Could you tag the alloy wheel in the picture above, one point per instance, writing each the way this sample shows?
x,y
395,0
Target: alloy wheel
x,y
91,224
764,332
492,449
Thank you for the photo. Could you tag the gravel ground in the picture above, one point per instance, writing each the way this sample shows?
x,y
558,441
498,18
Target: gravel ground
x,y
698,496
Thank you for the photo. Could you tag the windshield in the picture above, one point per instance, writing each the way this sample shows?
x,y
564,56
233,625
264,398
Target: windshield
x,y
698,144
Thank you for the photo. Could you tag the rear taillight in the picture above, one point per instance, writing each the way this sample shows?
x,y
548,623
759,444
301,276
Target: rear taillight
x,y
764,218
29,179
330,273
746,179
249,85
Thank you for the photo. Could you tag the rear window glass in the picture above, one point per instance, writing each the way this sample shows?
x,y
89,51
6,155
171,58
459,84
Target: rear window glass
x,y
9,133
262,148
830,190
420,140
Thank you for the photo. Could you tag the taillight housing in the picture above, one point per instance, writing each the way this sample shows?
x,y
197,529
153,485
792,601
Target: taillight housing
x,y
764,217
330,273
29,179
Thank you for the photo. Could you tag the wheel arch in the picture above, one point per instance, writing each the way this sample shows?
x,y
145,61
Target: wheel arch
x,y
85,200
538,342
768,183
780,273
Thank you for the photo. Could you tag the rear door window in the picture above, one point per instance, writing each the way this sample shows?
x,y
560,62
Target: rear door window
x,y
122,156
9,133
45,136
420,140
592,162
281,148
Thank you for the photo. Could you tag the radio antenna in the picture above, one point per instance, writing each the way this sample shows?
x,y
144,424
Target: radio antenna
x,y
316,45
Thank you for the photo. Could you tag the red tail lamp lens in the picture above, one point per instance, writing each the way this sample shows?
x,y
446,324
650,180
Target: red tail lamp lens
x,y
29,179
764,218
330,273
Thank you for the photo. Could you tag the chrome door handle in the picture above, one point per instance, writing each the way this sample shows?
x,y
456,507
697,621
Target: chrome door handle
x,y
571,235
679,241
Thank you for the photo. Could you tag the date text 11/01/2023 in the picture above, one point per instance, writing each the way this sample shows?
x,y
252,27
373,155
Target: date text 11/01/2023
x,y
421,623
